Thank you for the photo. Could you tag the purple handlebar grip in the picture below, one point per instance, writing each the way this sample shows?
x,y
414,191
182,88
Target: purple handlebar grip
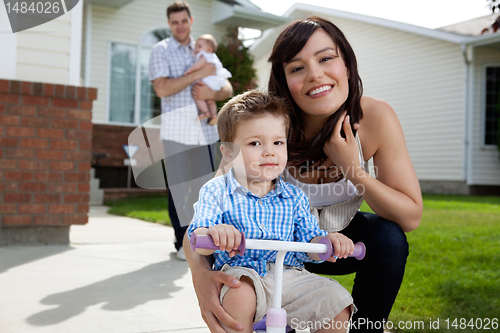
x,y
206,242
359,249
241,249
202,242
329,248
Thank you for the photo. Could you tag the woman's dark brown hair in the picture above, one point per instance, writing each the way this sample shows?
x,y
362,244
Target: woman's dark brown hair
x,y
287,45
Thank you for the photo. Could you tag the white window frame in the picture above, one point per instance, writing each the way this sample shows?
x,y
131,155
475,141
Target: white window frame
x,y
108,106
483,107
137,102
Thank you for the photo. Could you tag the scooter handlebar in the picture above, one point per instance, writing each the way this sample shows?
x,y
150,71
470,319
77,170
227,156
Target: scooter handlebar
x,y
206,242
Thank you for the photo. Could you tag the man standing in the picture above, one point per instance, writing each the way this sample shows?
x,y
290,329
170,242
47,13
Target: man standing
x,y
186,140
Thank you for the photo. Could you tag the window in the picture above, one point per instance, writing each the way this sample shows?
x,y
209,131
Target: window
x,y
122,83
492,105
132,99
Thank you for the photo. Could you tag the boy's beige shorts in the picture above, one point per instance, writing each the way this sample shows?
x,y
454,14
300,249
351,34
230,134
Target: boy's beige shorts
x,y
306,297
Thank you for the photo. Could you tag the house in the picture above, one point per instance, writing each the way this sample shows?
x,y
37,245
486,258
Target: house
x,y
71,91
118,36
106,44
444,85
46,53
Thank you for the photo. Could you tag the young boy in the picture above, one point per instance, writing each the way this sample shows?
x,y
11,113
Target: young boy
x,y
253,198
205,49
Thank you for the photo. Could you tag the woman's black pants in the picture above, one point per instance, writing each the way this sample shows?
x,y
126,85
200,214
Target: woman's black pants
x,y
378,275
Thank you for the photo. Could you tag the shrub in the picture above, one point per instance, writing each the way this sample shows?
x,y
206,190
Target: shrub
x,y
237,59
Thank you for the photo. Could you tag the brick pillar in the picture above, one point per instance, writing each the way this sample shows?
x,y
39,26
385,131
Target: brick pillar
x,y
45,157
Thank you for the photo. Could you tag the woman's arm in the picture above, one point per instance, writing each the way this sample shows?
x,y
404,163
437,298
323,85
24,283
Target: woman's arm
x,y
395,193
207,286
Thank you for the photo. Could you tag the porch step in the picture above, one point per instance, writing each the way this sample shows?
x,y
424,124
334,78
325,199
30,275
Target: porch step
x,y
111,194
96,194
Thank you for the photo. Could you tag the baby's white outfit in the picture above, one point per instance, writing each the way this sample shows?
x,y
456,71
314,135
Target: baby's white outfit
x,y
217,81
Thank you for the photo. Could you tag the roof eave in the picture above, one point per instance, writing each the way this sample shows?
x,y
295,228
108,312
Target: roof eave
x,y
426,32
110,3
227,15
483,40
405,27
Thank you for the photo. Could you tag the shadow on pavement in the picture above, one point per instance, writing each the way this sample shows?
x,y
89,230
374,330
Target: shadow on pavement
x,y
13,256
118,293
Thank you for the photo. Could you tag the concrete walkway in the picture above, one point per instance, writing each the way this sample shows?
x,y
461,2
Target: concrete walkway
x,y
117,275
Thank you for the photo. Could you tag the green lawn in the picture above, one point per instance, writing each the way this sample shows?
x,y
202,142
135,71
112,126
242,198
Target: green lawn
x,y
453,270
151,208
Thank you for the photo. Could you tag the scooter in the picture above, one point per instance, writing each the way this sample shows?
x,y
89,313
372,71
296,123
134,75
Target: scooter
x,y
275,319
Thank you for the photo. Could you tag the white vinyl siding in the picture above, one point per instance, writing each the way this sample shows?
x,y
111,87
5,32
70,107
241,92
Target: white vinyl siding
x,y
84,47
422,78
126,25
485,160
263,70
43,52
261,54
8,41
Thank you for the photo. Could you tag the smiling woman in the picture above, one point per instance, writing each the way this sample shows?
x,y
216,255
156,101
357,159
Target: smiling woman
x,y
320,72
310,65
335,128
334,132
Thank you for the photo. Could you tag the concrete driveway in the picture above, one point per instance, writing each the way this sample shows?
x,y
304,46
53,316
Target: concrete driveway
x,y
117,275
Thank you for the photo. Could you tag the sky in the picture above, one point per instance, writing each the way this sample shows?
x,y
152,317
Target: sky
x,y
425,13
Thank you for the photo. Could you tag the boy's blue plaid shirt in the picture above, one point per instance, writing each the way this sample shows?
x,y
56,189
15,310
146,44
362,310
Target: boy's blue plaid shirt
x,y
282,214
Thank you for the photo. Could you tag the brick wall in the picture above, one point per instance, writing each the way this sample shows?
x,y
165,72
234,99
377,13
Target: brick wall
x,y
45,159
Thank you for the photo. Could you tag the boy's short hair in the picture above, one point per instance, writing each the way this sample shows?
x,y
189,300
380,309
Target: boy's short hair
x,y
210,40
178,6
246,106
